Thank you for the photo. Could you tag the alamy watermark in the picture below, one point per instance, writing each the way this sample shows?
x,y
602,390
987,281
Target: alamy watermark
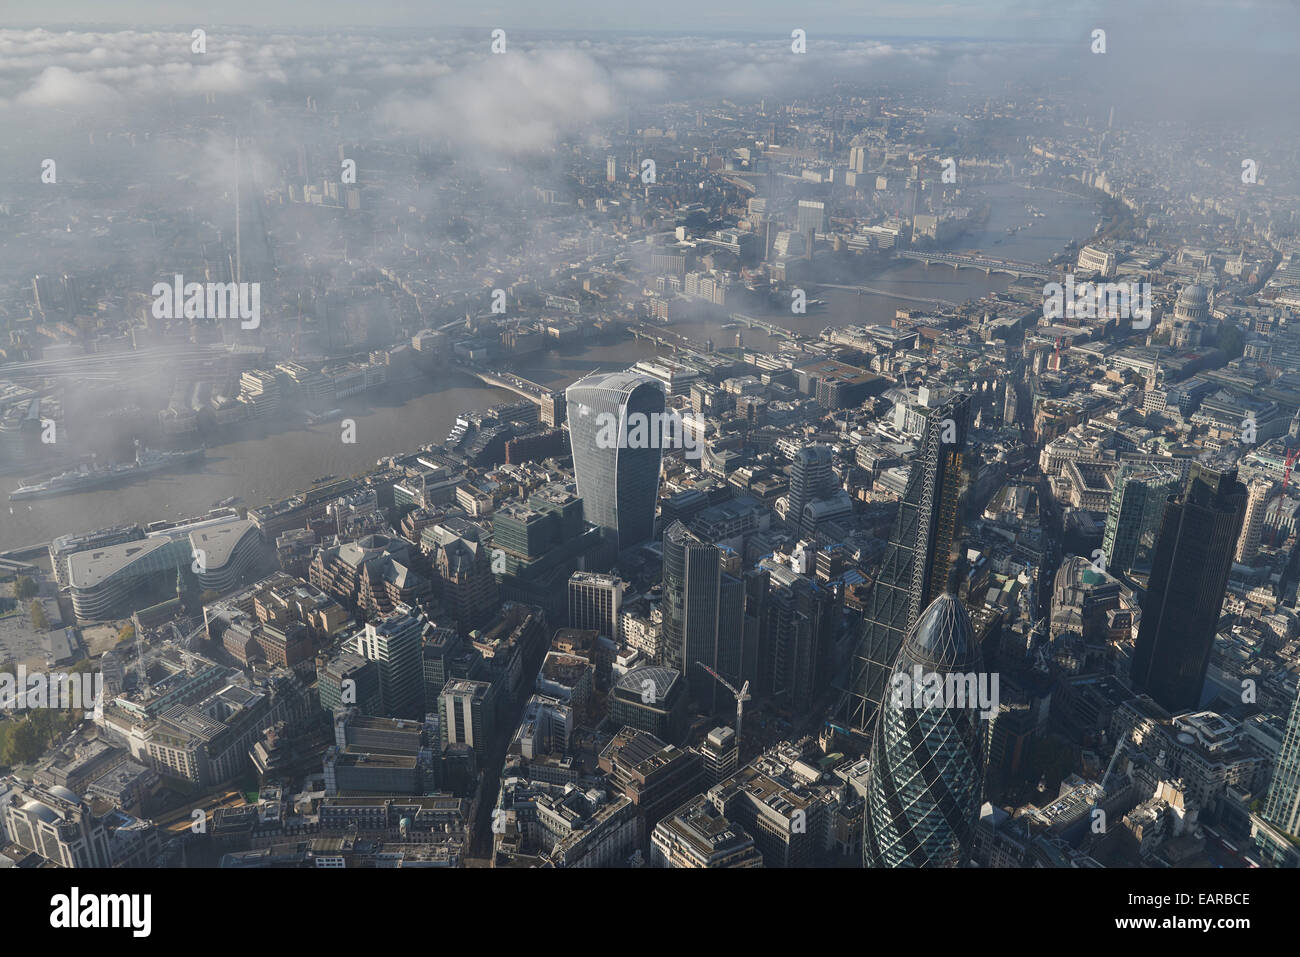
x,y
212,300
930,689
1098,300
39,689
651,430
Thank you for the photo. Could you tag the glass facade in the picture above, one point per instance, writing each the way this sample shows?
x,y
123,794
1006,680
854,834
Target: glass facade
x,y
916,562
926,780
618,480
703,610
1136,506
1189,577
1282,806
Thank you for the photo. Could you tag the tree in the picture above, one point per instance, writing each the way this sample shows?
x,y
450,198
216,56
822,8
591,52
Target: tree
x,y
24,587
24,744
40,621
1231,340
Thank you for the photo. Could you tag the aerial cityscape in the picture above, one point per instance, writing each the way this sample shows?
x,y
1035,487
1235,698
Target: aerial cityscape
x,y
741,443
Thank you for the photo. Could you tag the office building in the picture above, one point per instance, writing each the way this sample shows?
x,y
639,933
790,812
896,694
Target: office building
x,y
1257,495
66,831
721,755
793,621
394,644
618,483
811,478
657,777
925,783
651,698
466,712
1189,577
917,558
703,609
349,679
595,603
1282,804
1137,503
698,835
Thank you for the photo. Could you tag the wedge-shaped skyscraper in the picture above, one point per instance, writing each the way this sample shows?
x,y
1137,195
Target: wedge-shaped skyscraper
x,y
615,427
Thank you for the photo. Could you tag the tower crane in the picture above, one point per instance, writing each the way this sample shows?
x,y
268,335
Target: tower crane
x,y
1114,759
741,697
1290,461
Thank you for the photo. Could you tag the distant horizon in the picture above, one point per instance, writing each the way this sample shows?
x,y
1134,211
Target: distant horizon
x,y
1255,22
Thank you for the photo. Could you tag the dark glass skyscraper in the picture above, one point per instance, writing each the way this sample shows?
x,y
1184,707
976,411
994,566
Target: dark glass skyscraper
x,y
1189,576
703,609
916,562
615,428
926,779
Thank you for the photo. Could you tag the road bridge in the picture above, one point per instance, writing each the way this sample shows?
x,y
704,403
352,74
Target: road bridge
x,y
989,265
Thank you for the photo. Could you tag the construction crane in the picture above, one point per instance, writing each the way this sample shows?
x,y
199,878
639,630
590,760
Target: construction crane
x,y
1290,461
1114,759
741,697
1036,649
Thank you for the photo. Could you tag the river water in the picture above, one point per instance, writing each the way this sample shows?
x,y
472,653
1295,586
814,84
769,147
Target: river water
x,y
265,465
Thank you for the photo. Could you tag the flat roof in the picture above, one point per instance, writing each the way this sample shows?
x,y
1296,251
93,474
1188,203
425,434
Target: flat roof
x,y
218,544
95,566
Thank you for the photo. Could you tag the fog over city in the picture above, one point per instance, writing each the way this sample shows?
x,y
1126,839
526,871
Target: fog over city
x,y
645,436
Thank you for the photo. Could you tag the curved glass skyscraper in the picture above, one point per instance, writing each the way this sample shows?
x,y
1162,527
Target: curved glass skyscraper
x,y
926,779
615,427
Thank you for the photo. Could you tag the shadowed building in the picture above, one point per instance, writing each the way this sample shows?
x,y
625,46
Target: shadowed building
x,y
1189,577
917,559
703,610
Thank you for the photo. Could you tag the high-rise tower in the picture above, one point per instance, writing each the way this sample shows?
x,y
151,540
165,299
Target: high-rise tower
x,y
703,610
394,643
917,559
811,477
926,779
1137,504
1282,806
614,420
1189,576
1257,494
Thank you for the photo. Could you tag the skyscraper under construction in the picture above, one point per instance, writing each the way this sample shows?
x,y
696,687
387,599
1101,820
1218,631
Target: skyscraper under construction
x,y
916,562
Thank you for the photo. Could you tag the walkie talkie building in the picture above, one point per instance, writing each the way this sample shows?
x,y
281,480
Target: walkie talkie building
x,y
926,779
618,484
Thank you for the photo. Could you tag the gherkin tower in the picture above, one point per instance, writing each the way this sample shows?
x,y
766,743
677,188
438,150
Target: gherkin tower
x,y
926,779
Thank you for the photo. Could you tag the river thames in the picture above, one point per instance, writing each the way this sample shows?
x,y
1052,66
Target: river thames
x,y
271,464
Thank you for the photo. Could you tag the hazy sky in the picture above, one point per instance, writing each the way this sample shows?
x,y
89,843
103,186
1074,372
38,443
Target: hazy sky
x,y
1230,22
